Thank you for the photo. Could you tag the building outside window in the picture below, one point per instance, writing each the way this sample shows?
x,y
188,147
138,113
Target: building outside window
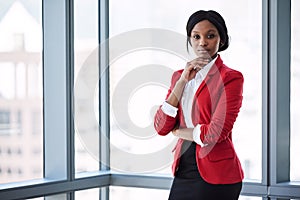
x,y
21,95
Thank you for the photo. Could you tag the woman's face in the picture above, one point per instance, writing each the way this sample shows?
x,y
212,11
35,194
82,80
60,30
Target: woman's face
x,y
205,39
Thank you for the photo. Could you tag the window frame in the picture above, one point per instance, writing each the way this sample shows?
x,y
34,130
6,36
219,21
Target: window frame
x,y
58,65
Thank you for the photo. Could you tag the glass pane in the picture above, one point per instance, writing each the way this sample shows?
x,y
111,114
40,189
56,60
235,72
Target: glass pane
x,y
91,194
142,63
295,94
116,193
21,91
52,197
86,69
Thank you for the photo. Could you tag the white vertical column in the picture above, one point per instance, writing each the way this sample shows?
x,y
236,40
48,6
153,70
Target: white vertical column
x,y
55,85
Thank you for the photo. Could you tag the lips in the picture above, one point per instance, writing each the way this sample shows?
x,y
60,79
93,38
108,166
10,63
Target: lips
x,y
203,50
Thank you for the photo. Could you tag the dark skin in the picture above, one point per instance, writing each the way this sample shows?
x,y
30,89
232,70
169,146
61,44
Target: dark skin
x,y
205,41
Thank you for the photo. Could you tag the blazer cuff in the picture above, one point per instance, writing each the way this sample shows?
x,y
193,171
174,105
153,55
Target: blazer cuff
x,y
169,109
196,135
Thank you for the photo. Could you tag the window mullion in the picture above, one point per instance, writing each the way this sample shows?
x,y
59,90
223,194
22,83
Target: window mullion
x,y
279,87
69,89
265,78
56,125
104,98
104,85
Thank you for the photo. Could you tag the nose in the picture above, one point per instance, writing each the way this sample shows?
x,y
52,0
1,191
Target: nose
x,y
203,42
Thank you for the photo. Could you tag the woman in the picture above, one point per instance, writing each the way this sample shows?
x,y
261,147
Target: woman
x,y
200,109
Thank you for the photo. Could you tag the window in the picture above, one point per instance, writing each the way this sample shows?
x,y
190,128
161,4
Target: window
x,y
21,90
87,194
117,193
4,121
295,94
136,90
54,197
85,46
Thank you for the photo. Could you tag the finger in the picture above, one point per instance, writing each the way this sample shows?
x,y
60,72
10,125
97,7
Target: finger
x,y
174,132
197,67
191,66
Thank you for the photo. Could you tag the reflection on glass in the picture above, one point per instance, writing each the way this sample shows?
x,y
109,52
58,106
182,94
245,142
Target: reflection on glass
x,y
295,94
85,44
21,85
130,133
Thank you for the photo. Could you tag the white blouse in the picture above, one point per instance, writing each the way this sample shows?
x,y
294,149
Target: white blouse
x,y
187,101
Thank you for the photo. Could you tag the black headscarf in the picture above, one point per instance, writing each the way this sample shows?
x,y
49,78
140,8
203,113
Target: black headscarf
x,y
213,17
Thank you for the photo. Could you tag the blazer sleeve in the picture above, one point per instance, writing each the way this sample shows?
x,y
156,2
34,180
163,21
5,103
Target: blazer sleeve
x,y
227,109
164,123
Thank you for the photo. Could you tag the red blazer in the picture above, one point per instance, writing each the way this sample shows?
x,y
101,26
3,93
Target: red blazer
x,y
215,107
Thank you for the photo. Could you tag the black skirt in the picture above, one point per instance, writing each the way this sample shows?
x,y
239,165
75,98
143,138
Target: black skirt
x,y
189,185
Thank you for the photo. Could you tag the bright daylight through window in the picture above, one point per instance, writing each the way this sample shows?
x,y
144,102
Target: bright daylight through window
x,y
132,134
21,93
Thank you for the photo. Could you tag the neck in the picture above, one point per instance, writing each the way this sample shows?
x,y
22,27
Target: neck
x,y
214,56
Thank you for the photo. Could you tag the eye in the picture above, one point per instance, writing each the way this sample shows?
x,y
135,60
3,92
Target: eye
x,y
196,37
210,36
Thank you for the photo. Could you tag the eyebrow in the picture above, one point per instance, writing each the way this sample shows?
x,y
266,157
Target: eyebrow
x,y
210,30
